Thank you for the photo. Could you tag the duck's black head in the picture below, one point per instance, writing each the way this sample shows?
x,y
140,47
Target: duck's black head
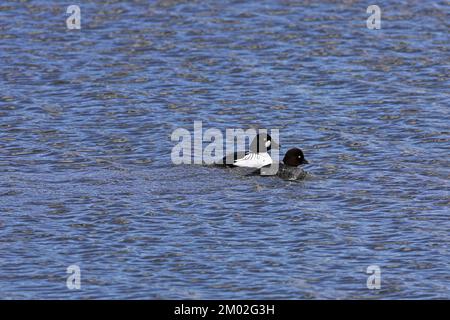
x,y
262,143
294,157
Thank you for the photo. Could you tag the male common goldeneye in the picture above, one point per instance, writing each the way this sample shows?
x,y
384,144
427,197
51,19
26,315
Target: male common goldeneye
x,y
257,157
288,170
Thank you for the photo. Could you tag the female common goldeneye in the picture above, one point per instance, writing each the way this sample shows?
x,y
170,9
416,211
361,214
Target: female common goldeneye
x,y
257,157
288,170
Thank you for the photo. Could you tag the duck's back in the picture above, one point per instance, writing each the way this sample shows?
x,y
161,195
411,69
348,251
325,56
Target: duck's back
x,y
291,173
284,172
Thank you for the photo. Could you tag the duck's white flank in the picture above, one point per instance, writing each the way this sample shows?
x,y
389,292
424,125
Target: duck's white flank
x,y
254,160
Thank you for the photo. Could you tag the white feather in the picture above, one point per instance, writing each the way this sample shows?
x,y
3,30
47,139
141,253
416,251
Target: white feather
x,y
254,160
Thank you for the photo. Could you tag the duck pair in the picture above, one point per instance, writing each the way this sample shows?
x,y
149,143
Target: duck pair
x,y
257,157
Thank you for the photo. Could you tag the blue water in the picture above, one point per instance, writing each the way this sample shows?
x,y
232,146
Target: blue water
x,y
86,176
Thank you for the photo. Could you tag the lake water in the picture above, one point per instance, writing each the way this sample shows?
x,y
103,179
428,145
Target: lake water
x,y
86,176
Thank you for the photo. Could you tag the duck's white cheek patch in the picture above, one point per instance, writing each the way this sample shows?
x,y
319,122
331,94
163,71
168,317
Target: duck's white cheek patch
x,y
267,144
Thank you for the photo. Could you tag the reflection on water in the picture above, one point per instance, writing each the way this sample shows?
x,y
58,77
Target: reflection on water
x,y
86,177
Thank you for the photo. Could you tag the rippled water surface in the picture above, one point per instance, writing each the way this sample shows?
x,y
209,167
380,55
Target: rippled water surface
x,y
86,176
